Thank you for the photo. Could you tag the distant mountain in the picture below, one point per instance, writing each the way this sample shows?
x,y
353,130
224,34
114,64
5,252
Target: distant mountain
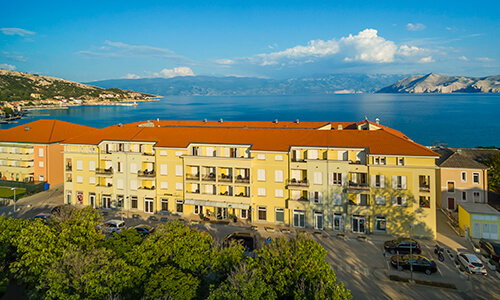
x,y
25,86
214,86
436,83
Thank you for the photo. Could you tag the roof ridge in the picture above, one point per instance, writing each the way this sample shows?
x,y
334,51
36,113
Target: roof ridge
x,y
410,141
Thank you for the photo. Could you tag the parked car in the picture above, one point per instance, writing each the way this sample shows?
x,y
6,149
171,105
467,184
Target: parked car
x,y
247,239
471,263
144,229
113,226
402,245
491,248
43,217
420,263
57,209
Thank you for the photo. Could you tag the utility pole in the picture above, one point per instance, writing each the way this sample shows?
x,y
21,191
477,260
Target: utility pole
x,y
14,189
411,254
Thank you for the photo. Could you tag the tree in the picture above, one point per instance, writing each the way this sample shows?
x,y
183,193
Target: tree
x,y
171,283
123,243
494,172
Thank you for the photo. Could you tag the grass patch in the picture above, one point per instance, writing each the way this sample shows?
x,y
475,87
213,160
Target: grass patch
x,y
6,192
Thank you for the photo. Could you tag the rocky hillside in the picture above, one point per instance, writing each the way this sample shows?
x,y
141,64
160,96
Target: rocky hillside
x,y
436,83
25,86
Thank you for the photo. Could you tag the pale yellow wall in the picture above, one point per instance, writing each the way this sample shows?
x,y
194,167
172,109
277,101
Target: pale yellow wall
x,y
468,186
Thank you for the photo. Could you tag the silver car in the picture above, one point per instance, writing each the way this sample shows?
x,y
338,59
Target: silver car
x,y
472,263
113,226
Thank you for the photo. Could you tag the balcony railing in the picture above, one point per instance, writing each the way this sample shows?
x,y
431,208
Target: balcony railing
x,y
359,186
424,188
102,171
298,182
147,188
241,179
69,167
242,194
226,178
193,176
209,177
193,192
226,193
300,199
104,185
298,159
361,203
146,173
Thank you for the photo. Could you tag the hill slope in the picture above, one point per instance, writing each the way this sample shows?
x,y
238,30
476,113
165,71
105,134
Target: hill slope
x,y
211,85
19,86
436,83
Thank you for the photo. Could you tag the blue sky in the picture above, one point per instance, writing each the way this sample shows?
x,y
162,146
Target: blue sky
x,y
96,40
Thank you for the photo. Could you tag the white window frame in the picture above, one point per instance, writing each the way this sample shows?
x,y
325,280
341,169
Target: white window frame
x,y
261,192
462,176
133,168
261,156
40,164
318,178
163,152
178,170
312,154
164,169
280,210
133,185
380,200
259,209
119,184
164,185
278,176
179,186
79,165
479,199
278,157
464,199
91,180
92,165
40,152
337,199
448,187
261,175
79,179
279,193
395,201
474,174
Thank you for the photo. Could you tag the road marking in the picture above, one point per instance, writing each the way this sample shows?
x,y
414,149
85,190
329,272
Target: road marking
x,y
388,266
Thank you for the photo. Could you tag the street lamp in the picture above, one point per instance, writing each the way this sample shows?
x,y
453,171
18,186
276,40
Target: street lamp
x,y
14,189
411,254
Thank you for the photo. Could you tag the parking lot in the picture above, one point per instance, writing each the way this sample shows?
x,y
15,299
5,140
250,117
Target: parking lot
x,y
361,265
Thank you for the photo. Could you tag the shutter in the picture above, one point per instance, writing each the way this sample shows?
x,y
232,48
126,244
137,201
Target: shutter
x,y
79,165
311,197
373,180
403,182
133,168
217,152
226,152
91,165
344,179
403,201
108,164
133,185
119,184
320,196
394,200
330,178
238,152
358,199
394,182
163,170
382,181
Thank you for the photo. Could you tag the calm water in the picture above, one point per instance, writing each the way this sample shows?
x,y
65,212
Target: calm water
x,y
461,120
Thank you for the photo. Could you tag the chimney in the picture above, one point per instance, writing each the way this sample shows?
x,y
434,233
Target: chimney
x,y
297,121
26,128
377,120
205,120
221,121
339,127
275,121
459,151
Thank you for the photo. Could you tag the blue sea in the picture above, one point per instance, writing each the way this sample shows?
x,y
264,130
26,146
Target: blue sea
x,y
460,120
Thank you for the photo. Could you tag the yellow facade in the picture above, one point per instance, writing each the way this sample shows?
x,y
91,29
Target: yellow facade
x,y
479,220
324,188
17,161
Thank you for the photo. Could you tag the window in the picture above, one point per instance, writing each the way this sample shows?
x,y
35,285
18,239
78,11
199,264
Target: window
x,y
399,201
400,161
68,197
299,218
40,152
79,197
41,178
278,175
280,214
399,182
278,193
475,178
119,167
337,199
178,153
261,191
342,155
244,213
476,197
318,178
378,181
464,196
262,213
164,204
211,152
335,178
163,170
379,200
79,165
278,157
261,156
163,152
179,206
92,180
79,179
134,201
119,184
261,175
425,201
40,164
198,209
133,168
195,151
380,223
312,154
133,185
383,160
451,187
296,155
178,170
464,176
178,186
316,197
164,185
91,165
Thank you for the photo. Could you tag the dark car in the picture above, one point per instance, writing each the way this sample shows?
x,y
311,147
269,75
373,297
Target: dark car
x,y
57,209
43,217
420,263
402,245
491,248
247,239
144,229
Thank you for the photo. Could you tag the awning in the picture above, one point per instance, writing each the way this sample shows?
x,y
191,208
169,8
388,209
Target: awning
x,y
217,204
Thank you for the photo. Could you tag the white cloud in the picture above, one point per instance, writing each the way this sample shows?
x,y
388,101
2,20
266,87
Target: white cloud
x,y
169,73
485,59
131,76
224,61
8,67
426,60
415,27
463,58
18,31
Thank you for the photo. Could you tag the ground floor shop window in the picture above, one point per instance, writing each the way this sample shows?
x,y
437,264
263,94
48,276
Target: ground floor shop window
x,y
318,220
79,197
262,213
198,209
164,204
425,201
92,200
106,201
280,215
338,222
68,197
380,223
149,205
134,202
179,206
358,224
299,218
244,213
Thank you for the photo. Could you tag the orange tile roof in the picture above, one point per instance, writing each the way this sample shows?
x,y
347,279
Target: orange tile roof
x,y
43,132
232,124
378,141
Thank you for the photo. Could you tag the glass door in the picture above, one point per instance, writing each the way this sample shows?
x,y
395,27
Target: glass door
x,y
299,218
148,205
358,224
338,222
318,220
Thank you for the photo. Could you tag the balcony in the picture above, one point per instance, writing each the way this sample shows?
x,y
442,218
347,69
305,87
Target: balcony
x,y
146,173
104,172
69,168
242,194
361,203
192,176
194,192
241,179
147,188
424,188
209,177
298,182
303,199
226,193
358,186
226,178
